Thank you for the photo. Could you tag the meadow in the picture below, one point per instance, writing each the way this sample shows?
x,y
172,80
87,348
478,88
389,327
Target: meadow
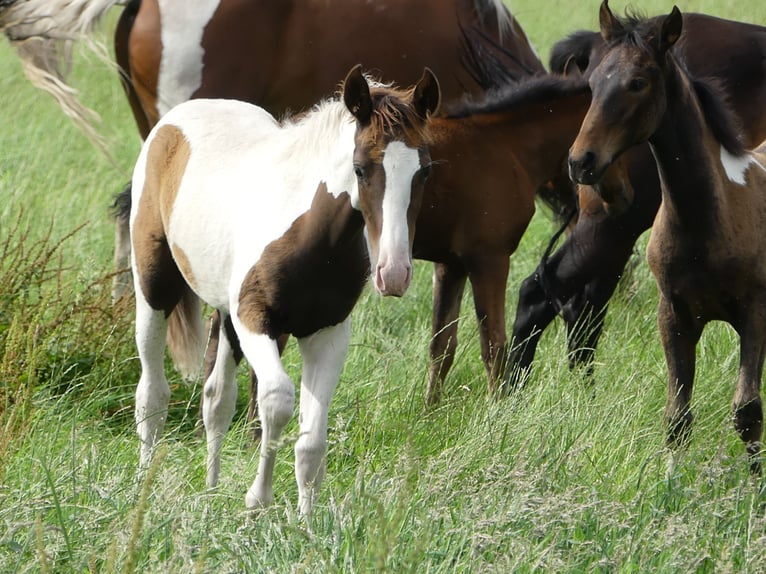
x,y
562,476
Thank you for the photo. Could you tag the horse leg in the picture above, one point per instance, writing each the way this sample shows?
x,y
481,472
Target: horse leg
x,y
323,354
679,334
584,316
747,406
488,279
122,280
252,404
276,400
219,402
534,312
449,283
153,391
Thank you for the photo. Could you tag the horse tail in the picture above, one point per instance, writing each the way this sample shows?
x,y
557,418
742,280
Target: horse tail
x,y
43,33
186,335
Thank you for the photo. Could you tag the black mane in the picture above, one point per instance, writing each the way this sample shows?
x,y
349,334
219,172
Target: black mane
x,y
519,93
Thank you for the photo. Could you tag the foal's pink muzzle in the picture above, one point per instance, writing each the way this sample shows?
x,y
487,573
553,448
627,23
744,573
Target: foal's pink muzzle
x,y
393,278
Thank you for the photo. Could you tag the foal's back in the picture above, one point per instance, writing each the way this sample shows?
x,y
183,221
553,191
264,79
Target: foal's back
x,y
229,179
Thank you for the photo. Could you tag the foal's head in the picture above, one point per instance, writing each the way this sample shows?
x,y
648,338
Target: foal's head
x,y
628,86
391,164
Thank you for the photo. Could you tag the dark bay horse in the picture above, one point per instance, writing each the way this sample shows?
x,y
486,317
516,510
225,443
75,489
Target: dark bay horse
x,y
220,214
707,248
578,279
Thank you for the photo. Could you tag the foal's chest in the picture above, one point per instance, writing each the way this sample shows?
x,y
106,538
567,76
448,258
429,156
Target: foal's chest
x,y
308,279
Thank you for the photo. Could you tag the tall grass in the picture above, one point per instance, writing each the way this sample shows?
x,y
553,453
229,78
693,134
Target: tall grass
x,y
563,476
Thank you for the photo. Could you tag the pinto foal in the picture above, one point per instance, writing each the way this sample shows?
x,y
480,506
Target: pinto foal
x,y
275,226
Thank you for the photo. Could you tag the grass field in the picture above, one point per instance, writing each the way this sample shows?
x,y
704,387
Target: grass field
x,y
562,477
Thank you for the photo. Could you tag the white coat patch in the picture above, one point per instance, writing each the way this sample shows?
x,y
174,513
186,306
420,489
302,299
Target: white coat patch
x,y
736,166
182,54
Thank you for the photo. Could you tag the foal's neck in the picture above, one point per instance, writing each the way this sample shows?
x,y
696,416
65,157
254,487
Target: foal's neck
x,y
686,152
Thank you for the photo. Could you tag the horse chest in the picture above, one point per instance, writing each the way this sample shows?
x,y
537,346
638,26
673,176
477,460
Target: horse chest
x,y
299,288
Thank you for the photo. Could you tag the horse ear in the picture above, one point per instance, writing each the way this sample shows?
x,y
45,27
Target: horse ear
x,y
572,68
427,94
608,23
356,95
671,29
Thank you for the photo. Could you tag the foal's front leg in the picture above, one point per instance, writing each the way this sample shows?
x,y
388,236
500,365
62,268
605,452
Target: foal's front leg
x,y
449,283
323,354
679,334
488,280
276,401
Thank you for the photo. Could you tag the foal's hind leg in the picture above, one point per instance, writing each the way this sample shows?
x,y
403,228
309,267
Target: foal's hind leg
x,y
449,283
152,392
323,354
747,406
679,333
220,397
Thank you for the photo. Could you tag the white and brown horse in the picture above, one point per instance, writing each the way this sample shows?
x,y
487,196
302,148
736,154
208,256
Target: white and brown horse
x,y
707,248
275,225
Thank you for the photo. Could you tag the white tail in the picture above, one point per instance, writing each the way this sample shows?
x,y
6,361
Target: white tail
x,y
43,32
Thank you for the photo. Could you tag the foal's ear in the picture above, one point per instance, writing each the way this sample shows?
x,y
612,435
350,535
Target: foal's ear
x,y
608,22
671,29
356,95
427,95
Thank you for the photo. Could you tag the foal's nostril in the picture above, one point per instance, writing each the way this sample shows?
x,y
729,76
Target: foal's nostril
x,y
588,161
582,168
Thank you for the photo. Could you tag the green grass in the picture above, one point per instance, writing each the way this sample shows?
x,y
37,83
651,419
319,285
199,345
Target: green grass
x,y
561,477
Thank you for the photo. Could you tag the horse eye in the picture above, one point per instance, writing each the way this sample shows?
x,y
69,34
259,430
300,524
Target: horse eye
x,y
425,171
358,172
637,84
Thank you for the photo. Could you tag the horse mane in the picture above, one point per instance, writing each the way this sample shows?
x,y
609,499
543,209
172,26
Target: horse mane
x,y
392,112
392,106
519,93
496,8
577,45
723,122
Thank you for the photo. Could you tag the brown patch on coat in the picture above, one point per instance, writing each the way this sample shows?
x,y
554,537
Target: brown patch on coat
x,y
311,276
161,280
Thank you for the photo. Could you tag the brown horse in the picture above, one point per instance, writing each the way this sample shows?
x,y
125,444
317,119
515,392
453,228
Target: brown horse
x,y
578,279
707,250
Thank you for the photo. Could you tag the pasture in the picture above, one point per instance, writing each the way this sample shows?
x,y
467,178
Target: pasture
x,y
561,476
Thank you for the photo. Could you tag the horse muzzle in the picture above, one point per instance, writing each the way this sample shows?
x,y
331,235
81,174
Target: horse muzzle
x,y
393,278
584,169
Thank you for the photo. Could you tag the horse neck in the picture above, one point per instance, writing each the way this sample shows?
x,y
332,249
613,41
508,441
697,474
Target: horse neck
x,y
538,134
686,153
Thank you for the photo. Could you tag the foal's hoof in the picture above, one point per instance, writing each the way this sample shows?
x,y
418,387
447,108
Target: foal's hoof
x,y
254,502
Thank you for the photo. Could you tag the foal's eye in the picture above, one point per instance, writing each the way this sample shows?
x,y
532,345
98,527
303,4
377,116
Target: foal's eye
x,y
358,172
637,84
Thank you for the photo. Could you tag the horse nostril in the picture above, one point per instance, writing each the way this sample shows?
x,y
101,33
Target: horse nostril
x,y
582,167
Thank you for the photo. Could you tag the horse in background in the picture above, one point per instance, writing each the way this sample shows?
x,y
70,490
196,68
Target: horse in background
x,y
220,214
707,249
578,279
